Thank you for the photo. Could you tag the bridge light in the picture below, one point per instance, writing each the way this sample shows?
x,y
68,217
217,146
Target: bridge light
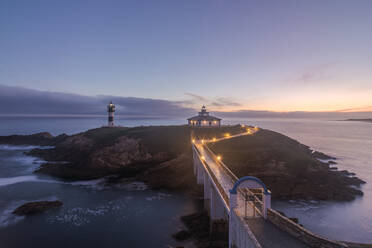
x,y
227,134
214,139
202,158
202,141
219,158
193,140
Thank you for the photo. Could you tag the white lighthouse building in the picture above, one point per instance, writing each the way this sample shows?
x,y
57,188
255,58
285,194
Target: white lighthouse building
x,y
111,110
203,119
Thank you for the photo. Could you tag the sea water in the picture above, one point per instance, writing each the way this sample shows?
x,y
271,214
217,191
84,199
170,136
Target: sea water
x,y
100,216
93,214
351,143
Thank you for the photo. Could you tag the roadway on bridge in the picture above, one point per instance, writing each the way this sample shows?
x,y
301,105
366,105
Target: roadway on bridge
x,y
267,234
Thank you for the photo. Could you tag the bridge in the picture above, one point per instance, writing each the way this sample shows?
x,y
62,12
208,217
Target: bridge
x,y
245,205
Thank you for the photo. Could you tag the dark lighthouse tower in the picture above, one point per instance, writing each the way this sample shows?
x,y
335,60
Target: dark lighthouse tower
x,y
111,110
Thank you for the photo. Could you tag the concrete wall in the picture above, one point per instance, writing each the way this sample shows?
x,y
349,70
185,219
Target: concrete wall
x,y
301,233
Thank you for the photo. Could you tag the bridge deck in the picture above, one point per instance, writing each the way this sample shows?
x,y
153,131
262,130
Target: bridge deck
x,y
267,234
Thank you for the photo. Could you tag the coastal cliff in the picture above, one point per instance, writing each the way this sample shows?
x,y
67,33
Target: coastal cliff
x,y
161,156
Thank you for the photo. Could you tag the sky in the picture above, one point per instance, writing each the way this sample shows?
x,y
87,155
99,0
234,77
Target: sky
x,y
233,56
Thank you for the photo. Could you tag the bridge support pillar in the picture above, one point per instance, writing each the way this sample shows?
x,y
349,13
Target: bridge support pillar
x,y
207,192
195,160
218,217
217,207
266,204
233,220
200,173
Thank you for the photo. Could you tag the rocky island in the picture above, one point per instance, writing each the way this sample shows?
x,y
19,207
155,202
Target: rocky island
x,y
161,156
363,120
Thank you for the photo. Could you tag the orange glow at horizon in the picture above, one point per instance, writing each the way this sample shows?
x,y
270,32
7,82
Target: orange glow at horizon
x,y
312,100
305,108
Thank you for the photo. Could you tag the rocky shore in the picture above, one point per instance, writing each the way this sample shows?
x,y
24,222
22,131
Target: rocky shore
x,y
161,157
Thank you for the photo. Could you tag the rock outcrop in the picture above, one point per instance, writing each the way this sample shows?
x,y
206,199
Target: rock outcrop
x,y
124,152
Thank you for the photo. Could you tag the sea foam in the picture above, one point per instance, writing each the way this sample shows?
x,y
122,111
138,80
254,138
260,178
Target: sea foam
x,y
22,147
32,178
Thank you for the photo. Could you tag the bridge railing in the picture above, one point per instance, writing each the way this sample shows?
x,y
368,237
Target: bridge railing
x,y
257,204
214,179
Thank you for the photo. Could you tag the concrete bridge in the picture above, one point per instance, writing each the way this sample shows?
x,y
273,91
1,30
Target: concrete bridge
x,y
245,205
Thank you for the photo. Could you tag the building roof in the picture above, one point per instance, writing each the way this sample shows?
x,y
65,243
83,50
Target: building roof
x,y
204,118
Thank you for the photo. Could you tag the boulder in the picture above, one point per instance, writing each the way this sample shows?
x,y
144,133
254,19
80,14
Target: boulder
x,y
36,207
182,235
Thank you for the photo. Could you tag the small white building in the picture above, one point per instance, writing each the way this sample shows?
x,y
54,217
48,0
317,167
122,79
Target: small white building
x,y
203,119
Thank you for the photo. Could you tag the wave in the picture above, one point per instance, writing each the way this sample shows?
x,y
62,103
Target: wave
x,y
32,178
22,147
97,184
20,179
26,160
8,218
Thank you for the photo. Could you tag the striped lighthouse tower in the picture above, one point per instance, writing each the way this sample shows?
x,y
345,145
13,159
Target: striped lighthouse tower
x,y
111,110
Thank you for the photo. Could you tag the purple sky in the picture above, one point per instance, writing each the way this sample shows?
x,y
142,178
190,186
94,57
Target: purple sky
x,y
231,55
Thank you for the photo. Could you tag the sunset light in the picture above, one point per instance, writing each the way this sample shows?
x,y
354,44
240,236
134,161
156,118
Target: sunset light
x,y
185,123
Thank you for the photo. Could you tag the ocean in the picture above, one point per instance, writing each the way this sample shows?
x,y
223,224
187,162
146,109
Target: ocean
x,y
130,216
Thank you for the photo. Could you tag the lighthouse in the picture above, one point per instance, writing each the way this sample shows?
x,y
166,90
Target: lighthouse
x,y
111,110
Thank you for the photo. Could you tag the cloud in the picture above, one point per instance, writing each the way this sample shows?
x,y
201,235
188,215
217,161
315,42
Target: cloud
x,y
312,74
359,109
224,101
246,114
197,97
16,100
215,102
